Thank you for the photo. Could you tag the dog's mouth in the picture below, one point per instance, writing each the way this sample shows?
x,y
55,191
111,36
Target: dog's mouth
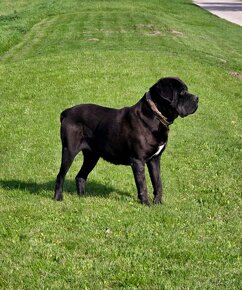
x,y
195,108
196,99
191,108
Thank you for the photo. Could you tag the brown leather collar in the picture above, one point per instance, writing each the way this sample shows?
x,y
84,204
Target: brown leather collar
x,y
158,114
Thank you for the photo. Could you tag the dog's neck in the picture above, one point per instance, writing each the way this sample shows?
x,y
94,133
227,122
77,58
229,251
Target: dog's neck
x,y
155,110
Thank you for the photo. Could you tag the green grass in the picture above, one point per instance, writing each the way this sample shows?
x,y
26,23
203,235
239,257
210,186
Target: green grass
x,y
55,54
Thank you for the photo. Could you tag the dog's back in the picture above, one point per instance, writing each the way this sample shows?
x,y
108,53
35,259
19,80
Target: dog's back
x,y
94,127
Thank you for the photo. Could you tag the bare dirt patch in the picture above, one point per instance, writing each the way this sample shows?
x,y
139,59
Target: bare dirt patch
x,y
148,29
153,33
236,74
177,33
93,39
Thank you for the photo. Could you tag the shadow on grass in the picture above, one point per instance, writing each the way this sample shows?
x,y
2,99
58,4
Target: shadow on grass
x,y
93,188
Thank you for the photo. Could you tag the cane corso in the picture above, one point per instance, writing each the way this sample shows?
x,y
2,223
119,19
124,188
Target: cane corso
x,y
134,136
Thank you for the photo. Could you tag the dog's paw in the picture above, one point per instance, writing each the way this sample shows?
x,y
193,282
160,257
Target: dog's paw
x,y
80,186
157,200
145,202
58,197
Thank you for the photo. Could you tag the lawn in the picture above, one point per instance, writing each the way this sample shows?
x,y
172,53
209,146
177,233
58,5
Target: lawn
x,y
55,54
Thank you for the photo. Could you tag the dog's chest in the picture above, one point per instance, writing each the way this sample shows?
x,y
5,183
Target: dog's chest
x,y
160,148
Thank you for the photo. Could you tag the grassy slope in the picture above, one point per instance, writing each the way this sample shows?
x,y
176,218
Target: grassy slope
x,y
55,54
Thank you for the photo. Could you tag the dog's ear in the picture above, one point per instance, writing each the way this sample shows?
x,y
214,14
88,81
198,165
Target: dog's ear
x,y
162,89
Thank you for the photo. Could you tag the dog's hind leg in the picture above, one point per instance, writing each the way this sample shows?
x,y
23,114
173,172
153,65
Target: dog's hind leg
x,y
89,162
70,137
67,159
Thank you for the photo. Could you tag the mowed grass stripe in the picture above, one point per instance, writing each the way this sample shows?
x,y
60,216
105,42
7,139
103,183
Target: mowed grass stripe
x,y
134,31
97,31
30,42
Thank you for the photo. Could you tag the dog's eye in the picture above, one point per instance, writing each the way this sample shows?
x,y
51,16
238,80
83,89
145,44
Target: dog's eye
x,y
183,93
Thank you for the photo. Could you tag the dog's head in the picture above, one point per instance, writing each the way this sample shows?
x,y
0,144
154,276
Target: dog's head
x,y
174,93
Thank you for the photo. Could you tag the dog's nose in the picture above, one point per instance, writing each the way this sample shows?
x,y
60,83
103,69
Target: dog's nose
x,y
196,99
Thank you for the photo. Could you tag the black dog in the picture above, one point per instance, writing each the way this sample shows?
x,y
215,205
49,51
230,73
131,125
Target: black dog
x,y
133,136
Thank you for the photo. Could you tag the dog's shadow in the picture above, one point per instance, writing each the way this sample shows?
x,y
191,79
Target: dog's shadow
x,y
93,188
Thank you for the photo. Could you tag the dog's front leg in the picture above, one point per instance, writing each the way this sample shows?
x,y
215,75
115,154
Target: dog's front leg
x,y
138,168
154,171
